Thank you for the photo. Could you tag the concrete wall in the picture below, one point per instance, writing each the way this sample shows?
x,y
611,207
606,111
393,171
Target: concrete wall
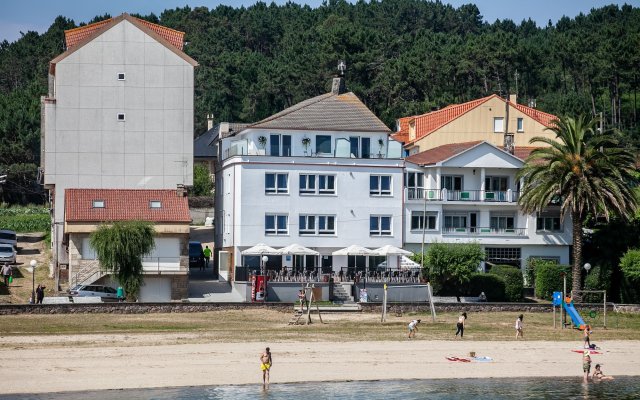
x,y
408,293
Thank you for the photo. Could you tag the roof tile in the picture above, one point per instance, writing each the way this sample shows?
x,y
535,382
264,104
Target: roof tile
x,y
440,153
125,205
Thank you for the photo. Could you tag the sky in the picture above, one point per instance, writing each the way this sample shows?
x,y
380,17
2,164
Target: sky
x,y
37,15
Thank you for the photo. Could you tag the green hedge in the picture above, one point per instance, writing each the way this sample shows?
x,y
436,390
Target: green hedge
x,y
630,267
513,281
26,222
492,285
549,279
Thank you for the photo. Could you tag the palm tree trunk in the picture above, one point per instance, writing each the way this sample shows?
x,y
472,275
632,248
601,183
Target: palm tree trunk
x,y
577,253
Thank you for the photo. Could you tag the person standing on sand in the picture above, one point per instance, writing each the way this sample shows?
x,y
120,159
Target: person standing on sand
x,y
460,325
265,365
413,327
586,365
519,332
587,339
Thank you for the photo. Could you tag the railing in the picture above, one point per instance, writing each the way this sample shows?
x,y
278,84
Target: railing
x,y
90,273
487,196
484,231
160,264
344,274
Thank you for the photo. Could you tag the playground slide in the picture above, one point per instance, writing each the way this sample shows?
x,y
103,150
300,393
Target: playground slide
x,y
575,317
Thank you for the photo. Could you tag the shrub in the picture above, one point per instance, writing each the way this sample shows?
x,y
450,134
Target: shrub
x,y
26,222
513,281
630,267
492,285
599,278
451,265
549,279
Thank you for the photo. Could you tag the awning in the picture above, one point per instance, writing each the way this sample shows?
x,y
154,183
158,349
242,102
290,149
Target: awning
x,y
297,250
354,250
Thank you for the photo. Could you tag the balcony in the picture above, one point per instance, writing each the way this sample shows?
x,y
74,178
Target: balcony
x,y
484,196
484,231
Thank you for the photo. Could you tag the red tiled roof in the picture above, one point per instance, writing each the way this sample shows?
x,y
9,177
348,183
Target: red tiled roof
x,y
432,121
74,36
402,135
125,205
523,152
441,153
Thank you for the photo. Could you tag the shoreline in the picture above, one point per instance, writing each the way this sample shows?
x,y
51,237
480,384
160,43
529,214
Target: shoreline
x,y
55,368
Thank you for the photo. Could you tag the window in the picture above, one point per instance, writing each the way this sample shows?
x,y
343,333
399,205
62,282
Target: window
x,y
380,185
354,146
455,221
317,184
548,223
323,144
280,145
503,255
120,116
451,182
380,225
276,224
275,183
501,222
155,204
360,147
317,225
98,204
120,76
520,124
414,181
498,124
418,221
496,184
366,147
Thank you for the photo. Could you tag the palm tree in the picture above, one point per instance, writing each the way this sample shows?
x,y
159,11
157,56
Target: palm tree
x,y
584,172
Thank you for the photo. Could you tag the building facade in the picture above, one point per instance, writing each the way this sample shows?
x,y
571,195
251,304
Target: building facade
x,y
118,115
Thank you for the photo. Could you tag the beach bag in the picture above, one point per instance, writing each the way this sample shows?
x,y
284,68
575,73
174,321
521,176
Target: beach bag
x,y
592,346
10,279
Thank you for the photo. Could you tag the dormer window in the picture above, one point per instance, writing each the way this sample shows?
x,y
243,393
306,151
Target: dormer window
x,y
155,204
98,204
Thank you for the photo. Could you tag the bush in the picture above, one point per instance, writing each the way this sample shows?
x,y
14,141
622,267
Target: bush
x,y
492,285
451,265
599,278
630,267
513,281
26,222
549,279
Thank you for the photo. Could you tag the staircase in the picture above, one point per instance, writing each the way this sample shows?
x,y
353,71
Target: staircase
x,y
341,293
87,274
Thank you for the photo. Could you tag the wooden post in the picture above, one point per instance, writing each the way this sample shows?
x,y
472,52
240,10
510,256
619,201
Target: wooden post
x,y
433,307
554,316
605,310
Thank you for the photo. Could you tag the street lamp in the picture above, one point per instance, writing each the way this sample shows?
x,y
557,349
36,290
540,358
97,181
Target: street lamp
x,y
33,264
264,265
587,267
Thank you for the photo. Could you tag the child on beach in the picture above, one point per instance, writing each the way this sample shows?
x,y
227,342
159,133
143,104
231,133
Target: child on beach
x,y
265,365
587,339
586,365
598,375
413,327
302,297
460,325
519,332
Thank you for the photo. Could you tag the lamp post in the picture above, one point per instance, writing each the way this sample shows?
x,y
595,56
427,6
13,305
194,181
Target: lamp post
x,y
263,268
33,264
587,267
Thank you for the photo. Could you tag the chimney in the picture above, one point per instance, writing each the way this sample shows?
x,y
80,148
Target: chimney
x,y
338,86
209,121
513,98
181,191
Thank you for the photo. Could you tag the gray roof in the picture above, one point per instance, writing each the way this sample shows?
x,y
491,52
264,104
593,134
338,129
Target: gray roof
x,y
201,146
330,111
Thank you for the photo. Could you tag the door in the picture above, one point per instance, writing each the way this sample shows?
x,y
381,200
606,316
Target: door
x,y
155,290
473,222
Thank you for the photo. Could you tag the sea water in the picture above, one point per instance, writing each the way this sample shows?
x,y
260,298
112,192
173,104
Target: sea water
x,y
627,387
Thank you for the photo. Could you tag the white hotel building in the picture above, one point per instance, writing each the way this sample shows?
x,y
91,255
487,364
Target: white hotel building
x,y
322,174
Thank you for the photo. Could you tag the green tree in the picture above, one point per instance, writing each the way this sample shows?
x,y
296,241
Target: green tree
x,y
202,184
450,266
120,248
630,266
583,172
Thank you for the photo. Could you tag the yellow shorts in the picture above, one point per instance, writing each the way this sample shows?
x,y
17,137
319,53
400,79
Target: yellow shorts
x,y
265,367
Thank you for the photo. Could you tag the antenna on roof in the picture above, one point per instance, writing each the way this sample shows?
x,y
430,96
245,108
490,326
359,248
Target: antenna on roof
x,y
342,66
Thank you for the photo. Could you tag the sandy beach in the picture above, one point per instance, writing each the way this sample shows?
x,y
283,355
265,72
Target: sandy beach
x,y
40,364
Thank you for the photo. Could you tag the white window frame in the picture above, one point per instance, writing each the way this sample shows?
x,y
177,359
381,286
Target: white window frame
x,y
98,204
378,231
330,144
498,124
276,190
443,181
520,125
544,219
377,191
316,225
505,217
124,117
277,229
306,189
155,204
430,216
452,217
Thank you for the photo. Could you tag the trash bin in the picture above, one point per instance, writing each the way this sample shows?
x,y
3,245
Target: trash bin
x,y
120,293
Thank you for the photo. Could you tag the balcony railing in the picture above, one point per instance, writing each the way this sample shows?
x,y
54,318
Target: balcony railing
x,y
484,231
161,264
486,196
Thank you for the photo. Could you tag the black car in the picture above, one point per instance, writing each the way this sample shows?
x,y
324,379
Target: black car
x,y
196,255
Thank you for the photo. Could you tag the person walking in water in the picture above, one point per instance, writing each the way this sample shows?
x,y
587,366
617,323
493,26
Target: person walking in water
x,y
413,328
207,256
519,332
586,365
460,325
265,365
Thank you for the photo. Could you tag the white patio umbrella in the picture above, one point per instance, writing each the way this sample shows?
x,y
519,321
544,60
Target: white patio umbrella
x,y
353,250
390,250
261,250
298,250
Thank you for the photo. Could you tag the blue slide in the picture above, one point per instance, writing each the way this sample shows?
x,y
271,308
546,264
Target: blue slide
x,y
575,317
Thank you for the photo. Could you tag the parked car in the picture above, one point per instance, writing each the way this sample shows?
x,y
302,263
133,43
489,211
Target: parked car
x,y
7,254
196,255
106,292
9,237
